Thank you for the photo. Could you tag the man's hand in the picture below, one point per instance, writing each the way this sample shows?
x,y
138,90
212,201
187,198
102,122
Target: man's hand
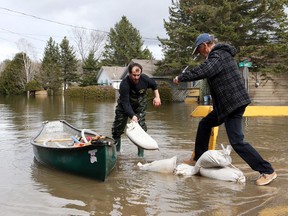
x,y
134,118
157,102
175,80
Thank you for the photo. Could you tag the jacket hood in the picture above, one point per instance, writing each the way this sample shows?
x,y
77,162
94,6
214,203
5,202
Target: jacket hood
x,y
226,47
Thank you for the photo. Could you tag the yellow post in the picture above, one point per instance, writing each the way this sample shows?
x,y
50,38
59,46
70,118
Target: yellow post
x,y
251,111
202,111
213,138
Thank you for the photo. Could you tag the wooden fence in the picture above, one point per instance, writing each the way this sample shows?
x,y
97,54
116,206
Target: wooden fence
x,y
268,88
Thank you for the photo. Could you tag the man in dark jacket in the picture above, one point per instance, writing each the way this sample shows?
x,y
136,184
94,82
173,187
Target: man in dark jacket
x,y
230,99
132,102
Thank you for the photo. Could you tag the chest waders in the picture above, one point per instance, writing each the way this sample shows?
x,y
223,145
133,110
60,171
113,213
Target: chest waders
x,y
139,106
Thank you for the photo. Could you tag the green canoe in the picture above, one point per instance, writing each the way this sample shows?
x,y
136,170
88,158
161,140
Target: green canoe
x,y
61,146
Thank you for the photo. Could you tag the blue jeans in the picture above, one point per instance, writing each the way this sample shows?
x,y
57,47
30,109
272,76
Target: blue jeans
x,y
233,125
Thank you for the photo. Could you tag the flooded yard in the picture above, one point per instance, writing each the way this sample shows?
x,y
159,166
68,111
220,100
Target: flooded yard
x,y
29,188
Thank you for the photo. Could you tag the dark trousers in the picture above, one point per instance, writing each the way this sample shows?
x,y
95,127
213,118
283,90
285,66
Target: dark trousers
x,y
233,125
121,119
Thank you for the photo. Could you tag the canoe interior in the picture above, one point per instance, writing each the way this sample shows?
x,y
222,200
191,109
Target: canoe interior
x,y
54,147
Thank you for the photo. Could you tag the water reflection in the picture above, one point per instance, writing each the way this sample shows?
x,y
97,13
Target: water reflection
x,y
29,188
79,193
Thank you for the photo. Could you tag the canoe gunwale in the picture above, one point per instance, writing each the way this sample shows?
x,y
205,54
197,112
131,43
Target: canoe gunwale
x,y
92,146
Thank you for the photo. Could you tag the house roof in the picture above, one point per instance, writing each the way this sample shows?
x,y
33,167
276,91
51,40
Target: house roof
x,y
115,73
148,66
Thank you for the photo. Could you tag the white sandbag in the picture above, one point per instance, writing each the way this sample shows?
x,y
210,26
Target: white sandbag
x,y
185,170
161,166
215,158
224,173
139,137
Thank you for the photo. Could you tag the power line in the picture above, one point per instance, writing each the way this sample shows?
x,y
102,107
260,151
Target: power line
x,y
11,32
63,24
33,36
52,21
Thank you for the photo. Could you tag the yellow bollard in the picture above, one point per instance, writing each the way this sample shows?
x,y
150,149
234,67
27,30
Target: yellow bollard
x,y
202,111
213,138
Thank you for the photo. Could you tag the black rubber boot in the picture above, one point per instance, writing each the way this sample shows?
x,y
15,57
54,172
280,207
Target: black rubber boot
x,y
118,144
140,152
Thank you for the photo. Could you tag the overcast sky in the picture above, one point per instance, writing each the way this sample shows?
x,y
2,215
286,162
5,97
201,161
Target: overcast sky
x,y
20,20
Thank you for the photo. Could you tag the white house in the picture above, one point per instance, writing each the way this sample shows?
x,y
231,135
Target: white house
x,y
110,76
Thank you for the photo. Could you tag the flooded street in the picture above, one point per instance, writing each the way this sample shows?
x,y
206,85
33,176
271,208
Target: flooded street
x,y
29,188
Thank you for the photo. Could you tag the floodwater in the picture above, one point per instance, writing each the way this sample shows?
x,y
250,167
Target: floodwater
x,y
29,188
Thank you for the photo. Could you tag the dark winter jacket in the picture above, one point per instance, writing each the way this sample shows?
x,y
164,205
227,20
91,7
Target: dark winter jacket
x,y
132,97
226,85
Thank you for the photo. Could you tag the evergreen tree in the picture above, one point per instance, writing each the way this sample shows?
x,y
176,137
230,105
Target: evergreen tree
x,y
178,47
124,43
50,71
13,79
90,68
241,23
68,63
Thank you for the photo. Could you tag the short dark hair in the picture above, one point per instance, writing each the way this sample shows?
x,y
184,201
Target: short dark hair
x,y
133,65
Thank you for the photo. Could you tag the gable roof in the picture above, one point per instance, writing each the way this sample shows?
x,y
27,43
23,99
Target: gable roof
x,y
148,66
114,73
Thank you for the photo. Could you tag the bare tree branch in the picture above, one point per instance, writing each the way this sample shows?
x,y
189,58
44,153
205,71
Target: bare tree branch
x,y
89,43
27,50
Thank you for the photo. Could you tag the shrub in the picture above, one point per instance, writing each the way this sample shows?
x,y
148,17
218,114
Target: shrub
x,y
33,85
98,92
164,91
109,93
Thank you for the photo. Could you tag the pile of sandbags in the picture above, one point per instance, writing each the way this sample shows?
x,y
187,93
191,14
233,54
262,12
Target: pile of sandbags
x,y
216,164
